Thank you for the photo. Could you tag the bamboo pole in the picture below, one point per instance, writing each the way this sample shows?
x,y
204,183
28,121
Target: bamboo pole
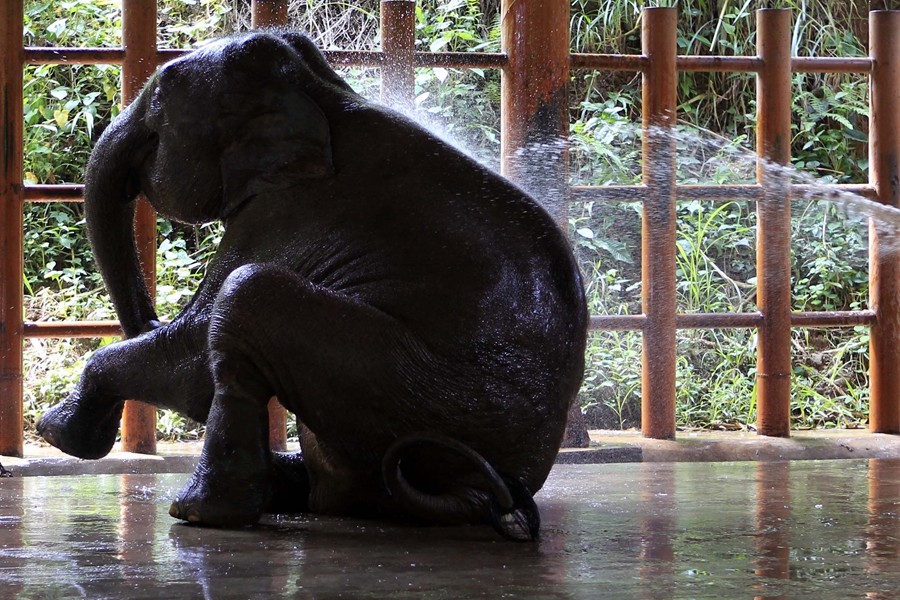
x,y
534,119
273,14
398,45
266,14
11,198
884,262
139,40
773,259
534,104
659,41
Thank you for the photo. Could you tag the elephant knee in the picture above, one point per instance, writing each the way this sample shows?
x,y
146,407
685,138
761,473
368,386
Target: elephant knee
x,y
245,282
246,292
245,308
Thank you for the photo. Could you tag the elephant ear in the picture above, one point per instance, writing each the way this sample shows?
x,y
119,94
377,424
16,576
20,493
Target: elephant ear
x,y
272,141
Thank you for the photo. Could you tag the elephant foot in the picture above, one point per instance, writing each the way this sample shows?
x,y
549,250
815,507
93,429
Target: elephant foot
x,y
290,485
228,492
69,427
199,504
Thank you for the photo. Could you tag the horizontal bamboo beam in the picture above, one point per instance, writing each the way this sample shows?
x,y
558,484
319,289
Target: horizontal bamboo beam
x,y
54,193
74,56
466,60
72,329
483,60
751,191
810,64
617,322
735,320
577,193
723,64
852,318
356,58
608,62
95,329
717,320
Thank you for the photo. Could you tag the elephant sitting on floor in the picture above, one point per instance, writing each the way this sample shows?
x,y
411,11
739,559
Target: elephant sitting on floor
x,y
423,317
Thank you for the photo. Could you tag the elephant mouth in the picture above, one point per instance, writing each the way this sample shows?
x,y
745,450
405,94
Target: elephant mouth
x,y
141,156
146,150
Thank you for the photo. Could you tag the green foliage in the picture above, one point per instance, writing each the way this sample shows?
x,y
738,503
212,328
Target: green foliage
x,y
829,140
73,23
611,393
67,106
182,24
716,243
461,103
710,236
830,262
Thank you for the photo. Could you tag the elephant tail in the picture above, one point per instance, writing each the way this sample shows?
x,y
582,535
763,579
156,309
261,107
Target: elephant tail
x,y
511,509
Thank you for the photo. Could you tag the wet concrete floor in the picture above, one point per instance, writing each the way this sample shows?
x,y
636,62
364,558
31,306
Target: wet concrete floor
x,y
806,529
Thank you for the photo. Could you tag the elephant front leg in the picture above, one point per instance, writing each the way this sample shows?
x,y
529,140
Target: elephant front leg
x,y
231,485
86,423
166,367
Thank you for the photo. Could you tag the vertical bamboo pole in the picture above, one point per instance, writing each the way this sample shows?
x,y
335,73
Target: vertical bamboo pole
x,y
884,263
12,56
139,40
534,119
773,250
269,14
398,45
265,14
659,41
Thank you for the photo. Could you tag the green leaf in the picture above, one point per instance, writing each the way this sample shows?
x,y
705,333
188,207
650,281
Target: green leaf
x,y
439,43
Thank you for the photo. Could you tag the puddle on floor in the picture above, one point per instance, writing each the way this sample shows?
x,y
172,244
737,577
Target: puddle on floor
x,y
820,529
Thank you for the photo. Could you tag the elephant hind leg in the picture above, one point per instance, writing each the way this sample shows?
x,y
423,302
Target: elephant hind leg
x,y
290,484
231,485
274,333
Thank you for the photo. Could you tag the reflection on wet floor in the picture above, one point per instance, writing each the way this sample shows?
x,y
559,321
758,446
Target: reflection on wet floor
x,y
826,529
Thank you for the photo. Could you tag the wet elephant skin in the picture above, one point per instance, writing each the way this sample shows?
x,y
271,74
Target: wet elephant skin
x,y
422,317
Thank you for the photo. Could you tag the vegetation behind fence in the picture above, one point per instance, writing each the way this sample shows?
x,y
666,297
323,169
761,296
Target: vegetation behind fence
x,y
67,106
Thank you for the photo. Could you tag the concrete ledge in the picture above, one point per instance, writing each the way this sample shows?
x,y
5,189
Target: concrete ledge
x,y
606,447
592,456
740,446
119,463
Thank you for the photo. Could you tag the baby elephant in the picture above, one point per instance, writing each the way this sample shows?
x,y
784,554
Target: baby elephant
x,y
422,317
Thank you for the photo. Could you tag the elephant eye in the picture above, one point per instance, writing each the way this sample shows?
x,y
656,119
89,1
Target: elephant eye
x,y
156,104
155,115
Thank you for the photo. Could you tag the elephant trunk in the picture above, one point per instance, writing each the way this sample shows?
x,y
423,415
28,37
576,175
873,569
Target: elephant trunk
x,y
111,187
510,510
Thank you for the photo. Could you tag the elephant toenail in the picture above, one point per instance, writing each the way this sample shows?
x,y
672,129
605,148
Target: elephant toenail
x,y
174,512
193,515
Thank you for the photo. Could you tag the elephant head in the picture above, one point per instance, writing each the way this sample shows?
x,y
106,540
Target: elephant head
x,y
210,130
